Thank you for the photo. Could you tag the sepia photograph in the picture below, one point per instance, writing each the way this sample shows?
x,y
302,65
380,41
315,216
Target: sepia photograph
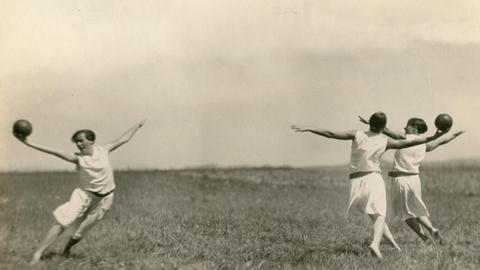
x,y
239,134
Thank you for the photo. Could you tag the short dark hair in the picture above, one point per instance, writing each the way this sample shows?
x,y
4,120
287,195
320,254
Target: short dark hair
x,y
90,135
378,121
419,124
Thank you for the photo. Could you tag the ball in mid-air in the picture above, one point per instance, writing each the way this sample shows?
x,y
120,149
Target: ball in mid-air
x,y
22,127
443,122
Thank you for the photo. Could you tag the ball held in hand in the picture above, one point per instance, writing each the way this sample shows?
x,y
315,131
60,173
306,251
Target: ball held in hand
x,y
443,122
22,128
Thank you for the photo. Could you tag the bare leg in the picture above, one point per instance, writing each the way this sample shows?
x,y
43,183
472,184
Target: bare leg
x,y
434,231
50,238
86,225
71,242
378,226
388,235
415,226
426,223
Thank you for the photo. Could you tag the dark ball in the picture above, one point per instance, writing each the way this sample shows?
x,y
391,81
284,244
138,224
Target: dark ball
x,y
443,122
22,127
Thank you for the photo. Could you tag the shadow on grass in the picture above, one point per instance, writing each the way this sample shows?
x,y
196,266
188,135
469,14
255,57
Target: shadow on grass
x,y
352,247
57,255
333,249
349,250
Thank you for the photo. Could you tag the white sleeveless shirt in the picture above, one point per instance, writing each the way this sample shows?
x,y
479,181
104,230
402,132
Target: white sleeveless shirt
x,y
367,151
96,173
409,159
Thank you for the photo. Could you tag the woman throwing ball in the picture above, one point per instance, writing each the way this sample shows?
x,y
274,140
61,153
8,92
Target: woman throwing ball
x,y
367,189
94,195
406,188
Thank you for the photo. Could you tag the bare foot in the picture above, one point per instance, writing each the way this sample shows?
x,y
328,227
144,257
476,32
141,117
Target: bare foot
x,y
36,258
397,248
375,251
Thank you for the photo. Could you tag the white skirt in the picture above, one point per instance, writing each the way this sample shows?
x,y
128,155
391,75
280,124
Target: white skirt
x,y
406,192
367,194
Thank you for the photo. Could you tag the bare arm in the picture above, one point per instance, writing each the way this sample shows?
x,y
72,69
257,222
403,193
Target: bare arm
x,y
67,157
392,134
399,144
434,144
339,135
125,137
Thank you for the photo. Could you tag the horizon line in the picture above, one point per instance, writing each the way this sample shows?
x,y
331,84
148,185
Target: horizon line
x,y
456,161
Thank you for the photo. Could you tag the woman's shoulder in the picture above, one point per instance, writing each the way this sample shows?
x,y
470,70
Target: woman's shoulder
x,y
103,149
364,134
360,136
375,137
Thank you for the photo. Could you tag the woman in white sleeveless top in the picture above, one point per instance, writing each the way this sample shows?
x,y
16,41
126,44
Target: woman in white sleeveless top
x,y
94,196
367,189
406,188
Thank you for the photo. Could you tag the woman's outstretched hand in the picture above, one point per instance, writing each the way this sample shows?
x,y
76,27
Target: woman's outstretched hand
x,y
299,128
363,120
20,137
440,133
141,123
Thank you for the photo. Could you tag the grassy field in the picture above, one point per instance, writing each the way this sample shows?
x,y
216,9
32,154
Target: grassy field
x,y
264,218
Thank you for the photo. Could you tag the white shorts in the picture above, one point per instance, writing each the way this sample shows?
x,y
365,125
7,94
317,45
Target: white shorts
x,y
367,194
406,192
82,203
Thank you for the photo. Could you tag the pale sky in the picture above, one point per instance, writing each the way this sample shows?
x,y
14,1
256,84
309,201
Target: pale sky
x,y
220,82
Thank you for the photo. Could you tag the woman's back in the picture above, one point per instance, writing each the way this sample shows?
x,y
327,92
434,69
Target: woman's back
x,y
367,150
